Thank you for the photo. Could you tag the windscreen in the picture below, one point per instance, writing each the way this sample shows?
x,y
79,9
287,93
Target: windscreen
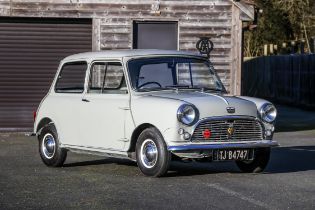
x,y
173,72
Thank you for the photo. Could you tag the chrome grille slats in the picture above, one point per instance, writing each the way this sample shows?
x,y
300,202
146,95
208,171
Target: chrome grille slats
x,y
244,130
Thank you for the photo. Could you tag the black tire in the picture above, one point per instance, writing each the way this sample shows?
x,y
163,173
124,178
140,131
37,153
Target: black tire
x,y
150,164
258,164
51,157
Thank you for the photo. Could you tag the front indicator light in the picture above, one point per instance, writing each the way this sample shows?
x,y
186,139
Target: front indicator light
x,y
187,136
181,131
268,133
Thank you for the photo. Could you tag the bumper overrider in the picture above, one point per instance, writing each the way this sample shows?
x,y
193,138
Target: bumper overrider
x,y
194,150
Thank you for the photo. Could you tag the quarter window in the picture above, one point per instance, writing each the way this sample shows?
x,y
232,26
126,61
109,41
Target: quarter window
x,y
107,78
71,78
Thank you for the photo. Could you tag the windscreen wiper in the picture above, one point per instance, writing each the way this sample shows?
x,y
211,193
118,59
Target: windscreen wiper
x,y
150,89
178,86
210,89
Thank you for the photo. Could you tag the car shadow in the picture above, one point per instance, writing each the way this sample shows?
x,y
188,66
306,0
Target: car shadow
x,y
179,169
101,162
294,119
283,160
291,159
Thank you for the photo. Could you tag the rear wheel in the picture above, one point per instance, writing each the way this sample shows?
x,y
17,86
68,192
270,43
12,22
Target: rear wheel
x,y
49,149
153,158
258,164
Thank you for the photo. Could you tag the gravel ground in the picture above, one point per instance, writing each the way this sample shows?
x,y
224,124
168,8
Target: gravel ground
x,y
93,182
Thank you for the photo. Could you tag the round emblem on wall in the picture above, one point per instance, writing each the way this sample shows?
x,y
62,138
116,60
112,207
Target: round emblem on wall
x,y
205,46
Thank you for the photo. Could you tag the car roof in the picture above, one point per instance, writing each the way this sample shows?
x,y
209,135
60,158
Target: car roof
x,y
126,53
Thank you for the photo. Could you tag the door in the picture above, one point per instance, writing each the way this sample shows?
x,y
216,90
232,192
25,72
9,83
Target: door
x,y
30,52
155,35
104,108
64,103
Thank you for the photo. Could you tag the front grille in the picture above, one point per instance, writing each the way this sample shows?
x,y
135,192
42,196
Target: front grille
x,y
243,130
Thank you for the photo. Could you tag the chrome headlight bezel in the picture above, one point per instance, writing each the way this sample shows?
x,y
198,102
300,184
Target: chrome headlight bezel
x,y
187,114
268,113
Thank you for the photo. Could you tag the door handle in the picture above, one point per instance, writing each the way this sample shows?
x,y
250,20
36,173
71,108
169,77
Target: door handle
x,y
124,108
85,100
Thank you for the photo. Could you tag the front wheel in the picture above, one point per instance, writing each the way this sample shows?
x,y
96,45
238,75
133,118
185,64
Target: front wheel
x,y
153,158
258,164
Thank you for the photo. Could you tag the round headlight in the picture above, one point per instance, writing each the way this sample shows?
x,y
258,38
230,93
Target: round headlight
x,y
268,113
187,114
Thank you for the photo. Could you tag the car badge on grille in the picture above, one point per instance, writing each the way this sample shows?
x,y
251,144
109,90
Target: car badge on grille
x,y
206,134
230,130
230,109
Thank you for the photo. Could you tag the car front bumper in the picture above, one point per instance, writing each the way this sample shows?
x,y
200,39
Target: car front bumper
x,y
195,150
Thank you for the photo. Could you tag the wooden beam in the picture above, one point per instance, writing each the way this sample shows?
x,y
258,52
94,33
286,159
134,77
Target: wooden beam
x,y
247,11
96,34
236,51
5,7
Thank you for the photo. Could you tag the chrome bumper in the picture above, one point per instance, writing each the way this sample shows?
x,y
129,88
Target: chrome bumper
x,y
223,145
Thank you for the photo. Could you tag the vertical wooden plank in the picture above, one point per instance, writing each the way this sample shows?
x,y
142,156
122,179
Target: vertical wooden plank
x,y
239,54
96,34
5,7
236,51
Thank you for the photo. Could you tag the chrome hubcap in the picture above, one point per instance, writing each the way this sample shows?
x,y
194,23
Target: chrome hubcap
x,y
48,146
149,153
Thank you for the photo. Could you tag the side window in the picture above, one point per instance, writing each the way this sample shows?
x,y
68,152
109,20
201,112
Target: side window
x,y
71,78
107,78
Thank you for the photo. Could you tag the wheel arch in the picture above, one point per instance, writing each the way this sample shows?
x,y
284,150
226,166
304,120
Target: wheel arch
x,y
43,122
136,133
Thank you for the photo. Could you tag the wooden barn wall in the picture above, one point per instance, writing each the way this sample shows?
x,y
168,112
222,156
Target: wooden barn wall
x,y
112,22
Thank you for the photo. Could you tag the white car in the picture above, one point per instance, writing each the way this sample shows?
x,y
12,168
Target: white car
x,y
151,106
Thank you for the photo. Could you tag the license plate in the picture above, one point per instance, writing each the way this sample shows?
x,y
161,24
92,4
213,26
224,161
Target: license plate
x,y
233,154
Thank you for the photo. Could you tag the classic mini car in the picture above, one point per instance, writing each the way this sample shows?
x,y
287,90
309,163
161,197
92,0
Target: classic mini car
x,y
151,106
